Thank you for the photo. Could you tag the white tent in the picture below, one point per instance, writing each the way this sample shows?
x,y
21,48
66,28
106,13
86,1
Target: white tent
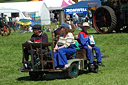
x,y
8,11
58,4
39,8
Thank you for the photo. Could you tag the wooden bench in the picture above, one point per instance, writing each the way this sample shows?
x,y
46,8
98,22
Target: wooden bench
x,y
81,54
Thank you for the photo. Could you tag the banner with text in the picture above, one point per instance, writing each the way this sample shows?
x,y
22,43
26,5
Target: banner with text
x,y
77,11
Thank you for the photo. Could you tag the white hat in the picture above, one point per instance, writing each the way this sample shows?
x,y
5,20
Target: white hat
x,y
5,14
85,24
74,13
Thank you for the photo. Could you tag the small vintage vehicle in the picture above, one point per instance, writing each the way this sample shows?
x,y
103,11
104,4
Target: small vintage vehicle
x,y
4,28
43,62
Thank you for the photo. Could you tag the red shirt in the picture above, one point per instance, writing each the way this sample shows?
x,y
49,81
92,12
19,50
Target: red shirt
x,y
85,34
42,38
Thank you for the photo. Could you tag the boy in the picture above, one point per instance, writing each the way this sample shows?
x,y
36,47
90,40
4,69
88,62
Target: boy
x,y
84,41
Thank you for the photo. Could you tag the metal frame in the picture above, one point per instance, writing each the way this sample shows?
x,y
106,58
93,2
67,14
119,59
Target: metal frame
x,y
32,46
80,57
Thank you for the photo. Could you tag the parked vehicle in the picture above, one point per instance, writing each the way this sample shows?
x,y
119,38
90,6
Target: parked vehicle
x,y
112,15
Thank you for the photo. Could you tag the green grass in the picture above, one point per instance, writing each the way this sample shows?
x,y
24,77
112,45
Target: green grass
x,y
114,73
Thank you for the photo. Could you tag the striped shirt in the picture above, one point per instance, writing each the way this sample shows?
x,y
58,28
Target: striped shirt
x,y
67,41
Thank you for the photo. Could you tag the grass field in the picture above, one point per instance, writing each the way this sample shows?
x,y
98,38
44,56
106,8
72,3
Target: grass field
x,y
115,71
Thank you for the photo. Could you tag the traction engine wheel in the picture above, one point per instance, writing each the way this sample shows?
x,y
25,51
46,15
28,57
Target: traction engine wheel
x,y
104,20
5,30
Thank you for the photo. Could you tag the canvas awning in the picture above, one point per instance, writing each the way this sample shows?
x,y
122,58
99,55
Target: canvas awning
x,y
82,6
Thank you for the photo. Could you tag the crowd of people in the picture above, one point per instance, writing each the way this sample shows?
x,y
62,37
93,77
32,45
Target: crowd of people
x,y
74,19
14,22
78,19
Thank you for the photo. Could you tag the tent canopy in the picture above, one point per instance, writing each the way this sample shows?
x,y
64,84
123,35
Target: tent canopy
x,y
23,6
84,4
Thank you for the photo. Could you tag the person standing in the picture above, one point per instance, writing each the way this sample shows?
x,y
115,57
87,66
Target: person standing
x,y
52,16
6,19
75,20
13,23
16,21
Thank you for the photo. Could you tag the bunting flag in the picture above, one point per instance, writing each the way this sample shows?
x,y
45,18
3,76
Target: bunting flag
x,y
70,2
64,4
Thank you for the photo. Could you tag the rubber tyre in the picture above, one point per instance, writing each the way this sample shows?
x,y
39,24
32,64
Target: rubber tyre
x,y
95,68
73,71
35,75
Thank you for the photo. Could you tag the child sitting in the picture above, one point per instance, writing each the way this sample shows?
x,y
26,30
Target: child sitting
x,y
84,41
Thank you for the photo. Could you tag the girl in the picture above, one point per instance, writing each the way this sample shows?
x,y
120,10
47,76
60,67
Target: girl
x,y
64,48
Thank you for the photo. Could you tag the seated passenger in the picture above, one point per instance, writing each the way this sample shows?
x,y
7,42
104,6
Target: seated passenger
x,y
38,36
64,48
84,42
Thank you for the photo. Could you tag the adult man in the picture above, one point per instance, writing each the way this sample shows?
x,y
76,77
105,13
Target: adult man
x,y
38,36
6,19
52,16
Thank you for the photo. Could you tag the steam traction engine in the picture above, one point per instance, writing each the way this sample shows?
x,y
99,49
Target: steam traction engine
x,y
112,15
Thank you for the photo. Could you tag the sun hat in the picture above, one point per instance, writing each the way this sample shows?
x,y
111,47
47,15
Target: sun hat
x,y
85,24
74,13
5,14
37,27
64,25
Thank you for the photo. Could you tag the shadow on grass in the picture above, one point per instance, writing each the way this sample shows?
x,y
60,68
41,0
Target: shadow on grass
x,y
50,76
90,33
100,34
26,78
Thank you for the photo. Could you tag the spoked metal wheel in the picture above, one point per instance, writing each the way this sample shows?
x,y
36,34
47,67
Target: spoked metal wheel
x,y
5,30
104,20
